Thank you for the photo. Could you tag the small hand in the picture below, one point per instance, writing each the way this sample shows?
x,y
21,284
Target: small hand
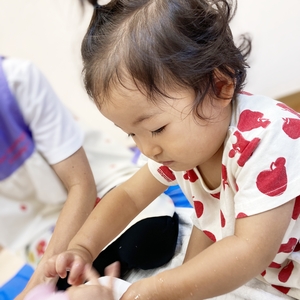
x,y
113,269
75,261
92,290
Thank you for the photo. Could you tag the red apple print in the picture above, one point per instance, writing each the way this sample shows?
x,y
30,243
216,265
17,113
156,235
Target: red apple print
x,y
224,176
289,246
97,201
297,248
286,272
244,147
296,211
291,127
241,215
199,208
191,176
216,195
236,187
223,221
275,265
166,173
252,119
273,182
263,273
210,235
287,108
282,289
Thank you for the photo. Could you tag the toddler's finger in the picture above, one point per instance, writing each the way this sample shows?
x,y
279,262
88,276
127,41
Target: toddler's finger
x,y
50,268
91,275
93,278
113,269
64,263
76,273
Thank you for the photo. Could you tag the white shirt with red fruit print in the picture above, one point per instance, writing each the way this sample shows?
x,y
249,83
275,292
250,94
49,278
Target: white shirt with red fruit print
x,y
259,172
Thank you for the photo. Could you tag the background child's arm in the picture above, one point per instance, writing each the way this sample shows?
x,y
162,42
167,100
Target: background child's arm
x,y
106,221
223,266
77,177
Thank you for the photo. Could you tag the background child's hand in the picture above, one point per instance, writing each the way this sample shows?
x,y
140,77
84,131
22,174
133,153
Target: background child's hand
x,y
74,261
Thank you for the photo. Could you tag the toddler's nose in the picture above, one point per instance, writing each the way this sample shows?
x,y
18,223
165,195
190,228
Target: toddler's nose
x,y
151,151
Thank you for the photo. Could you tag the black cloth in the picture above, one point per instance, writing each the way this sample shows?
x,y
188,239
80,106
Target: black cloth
x,y
148,244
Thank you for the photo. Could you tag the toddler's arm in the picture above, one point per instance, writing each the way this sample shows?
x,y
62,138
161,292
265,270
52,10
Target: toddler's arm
x,y
197,243
106,221
223,266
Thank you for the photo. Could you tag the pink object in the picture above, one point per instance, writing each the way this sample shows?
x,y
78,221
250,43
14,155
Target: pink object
x,y
46,292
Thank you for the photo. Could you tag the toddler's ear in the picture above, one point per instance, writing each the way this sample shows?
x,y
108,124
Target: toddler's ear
x,y
224,86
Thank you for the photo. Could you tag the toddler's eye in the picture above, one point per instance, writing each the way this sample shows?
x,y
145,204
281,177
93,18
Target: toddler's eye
x,y
159,130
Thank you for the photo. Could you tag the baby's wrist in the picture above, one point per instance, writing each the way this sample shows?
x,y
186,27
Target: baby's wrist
x,y
82,252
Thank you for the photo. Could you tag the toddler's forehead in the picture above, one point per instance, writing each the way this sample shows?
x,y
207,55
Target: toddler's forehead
x,y
123,89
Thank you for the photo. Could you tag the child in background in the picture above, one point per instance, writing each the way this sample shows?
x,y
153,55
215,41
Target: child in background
x,y
168,73
49,163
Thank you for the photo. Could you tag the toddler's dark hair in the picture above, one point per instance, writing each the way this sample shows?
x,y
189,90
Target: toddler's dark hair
x,y
162,44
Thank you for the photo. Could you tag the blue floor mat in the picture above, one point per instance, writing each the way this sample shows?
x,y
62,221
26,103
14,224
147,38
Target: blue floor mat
x,y
14,286
179,199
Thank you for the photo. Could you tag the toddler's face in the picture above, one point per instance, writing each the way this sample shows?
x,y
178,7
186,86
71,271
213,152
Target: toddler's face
x,y
168,131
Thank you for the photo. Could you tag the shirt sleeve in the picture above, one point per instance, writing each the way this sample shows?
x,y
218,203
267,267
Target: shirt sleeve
x,y
162,173
55,132
261,161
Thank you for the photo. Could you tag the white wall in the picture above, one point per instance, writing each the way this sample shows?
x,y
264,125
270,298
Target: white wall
x,y
275,59
49,32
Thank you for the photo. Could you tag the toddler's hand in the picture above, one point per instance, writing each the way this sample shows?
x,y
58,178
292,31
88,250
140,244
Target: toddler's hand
x,y
92,290
95,291
74,261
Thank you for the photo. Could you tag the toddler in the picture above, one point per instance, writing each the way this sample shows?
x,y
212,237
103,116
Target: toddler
x,y
168,73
